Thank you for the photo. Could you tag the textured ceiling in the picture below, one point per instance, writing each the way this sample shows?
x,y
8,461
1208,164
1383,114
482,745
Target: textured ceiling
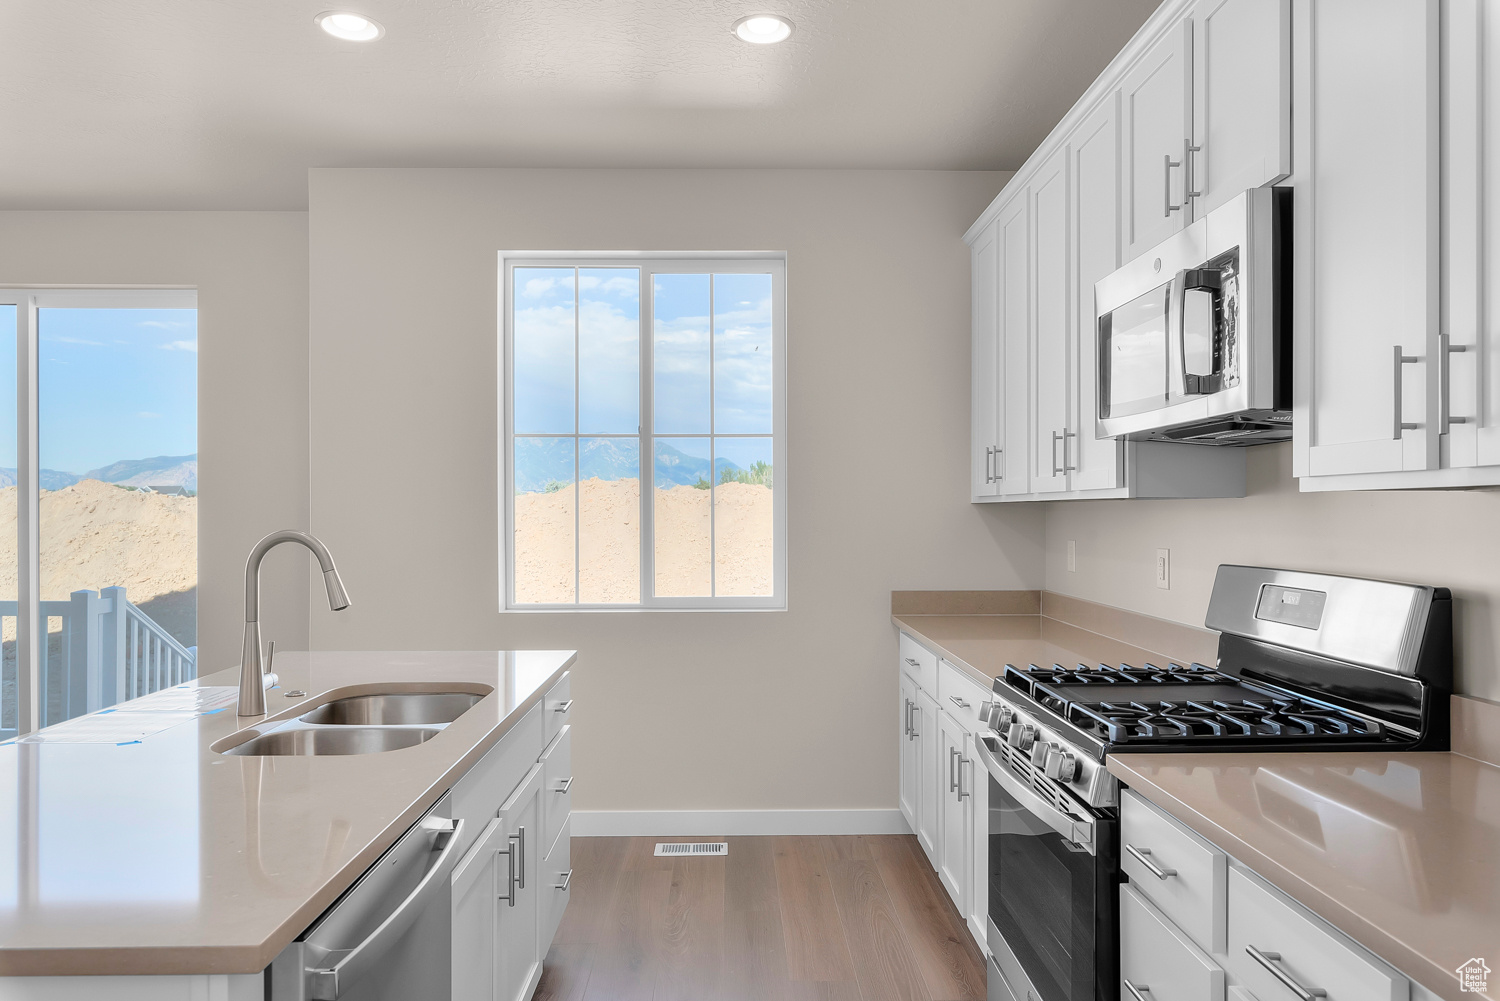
x,y
226,103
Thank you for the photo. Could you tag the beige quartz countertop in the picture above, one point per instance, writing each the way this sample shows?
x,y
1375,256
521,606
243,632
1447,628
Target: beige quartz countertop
x,y
1399,851
164,857
984,644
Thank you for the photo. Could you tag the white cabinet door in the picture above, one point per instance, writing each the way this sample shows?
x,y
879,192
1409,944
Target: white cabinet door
x,y
985,437
518,962
1052,438
977,787
1014,290
1469,407
909,774
1242,98
1273,942
953,860
475,886
929,756
1159,961
1095,147
1157,125
1366,289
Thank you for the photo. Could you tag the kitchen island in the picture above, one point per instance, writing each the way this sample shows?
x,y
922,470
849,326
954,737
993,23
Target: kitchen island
x,y
158,856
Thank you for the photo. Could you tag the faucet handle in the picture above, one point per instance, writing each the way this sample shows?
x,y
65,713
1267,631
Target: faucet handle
x,y
268,676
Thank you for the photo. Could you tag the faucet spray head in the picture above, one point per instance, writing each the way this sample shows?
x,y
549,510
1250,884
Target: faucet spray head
x,y
338,598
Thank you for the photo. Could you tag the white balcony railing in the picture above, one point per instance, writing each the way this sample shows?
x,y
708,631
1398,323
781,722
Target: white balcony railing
x,y
108,651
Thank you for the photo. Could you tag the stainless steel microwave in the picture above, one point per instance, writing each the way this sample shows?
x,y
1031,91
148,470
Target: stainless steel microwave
x,y
1194,336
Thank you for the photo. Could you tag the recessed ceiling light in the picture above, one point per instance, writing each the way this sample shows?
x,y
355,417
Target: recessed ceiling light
x,y
763,29
349,26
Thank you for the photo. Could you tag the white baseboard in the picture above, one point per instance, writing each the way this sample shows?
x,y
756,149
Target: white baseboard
x,y
737,823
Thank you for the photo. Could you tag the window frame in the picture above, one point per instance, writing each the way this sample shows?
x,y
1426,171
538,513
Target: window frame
x,y
650,265
28,299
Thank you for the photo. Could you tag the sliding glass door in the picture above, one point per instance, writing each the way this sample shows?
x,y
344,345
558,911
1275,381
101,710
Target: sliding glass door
x,y
98,499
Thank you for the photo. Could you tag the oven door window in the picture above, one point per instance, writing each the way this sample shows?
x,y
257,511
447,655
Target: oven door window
x,y
1043,900
1133,349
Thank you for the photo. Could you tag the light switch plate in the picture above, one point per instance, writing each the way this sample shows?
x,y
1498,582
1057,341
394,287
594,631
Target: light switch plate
x,y
1072,557
1163,569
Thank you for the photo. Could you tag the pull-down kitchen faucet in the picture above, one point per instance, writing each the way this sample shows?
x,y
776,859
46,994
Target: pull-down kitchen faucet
x,y
252,700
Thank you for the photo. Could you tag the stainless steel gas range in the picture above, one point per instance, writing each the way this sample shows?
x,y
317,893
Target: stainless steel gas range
x,y
1305,662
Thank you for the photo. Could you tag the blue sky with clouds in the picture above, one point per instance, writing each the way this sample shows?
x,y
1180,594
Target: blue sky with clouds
x,y
114,384
737,338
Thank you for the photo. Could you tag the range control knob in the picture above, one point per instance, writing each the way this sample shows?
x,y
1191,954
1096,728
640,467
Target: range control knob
x,y
986,710
1022,737
1062,765
1040,751
1001,717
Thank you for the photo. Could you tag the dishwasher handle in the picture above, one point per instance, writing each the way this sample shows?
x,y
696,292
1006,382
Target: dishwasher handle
x,y
327,983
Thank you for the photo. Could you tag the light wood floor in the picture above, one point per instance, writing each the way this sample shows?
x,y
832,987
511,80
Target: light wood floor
x,y
805,919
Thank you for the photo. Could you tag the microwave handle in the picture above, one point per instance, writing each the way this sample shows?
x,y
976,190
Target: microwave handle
x,y
1194,280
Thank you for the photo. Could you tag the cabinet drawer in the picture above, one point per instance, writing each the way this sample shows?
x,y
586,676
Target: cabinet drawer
x,y
478,793
558,707
557,786
1158,960
1193,895
960,696
1306,951
921,665
556,885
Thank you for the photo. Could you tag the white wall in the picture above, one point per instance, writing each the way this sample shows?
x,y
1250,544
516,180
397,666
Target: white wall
x,y
250,269
1444,538
762,710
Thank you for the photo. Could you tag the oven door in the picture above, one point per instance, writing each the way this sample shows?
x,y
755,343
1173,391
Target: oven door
x,y
1052,892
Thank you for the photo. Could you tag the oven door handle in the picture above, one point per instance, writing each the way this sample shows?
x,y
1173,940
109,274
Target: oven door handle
x,y
1079,832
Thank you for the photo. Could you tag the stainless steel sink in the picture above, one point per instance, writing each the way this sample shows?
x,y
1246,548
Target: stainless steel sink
x,y
394,709
334,740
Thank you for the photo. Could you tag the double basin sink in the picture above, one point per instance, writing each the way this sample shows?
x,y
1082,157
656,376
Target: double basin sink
x,y
361,724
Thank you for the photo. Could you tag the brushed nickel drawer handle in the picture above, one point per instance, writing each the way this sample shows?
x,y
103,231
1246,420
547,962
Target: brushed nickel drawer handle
x,y
1269,960
959,702
567,880
1138,991
1155,870
913,663
565,784
563,707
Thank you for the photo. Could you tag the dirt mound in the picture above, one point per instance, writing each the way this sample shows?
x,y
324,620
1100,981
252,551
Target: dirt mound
x,y
609,542
99,535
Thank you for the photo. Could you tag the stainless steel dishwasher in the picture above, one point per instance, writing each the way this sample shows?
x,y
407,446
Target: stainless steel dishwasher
x,y
387,937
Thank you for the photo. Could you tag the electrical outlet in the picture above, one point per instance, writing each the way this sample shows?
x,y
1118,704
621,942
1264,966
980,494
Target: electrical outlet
x,y
1072,557
1163,569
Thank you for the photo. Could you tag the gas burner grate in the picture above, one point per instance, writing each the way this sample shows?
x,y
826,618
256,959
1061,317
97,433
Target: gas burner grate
x,y
1248,719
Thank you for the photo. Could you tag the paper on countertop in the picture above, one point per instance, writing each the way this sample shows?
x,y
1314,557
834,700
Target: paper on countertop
x,y
109,727
198,700
133,721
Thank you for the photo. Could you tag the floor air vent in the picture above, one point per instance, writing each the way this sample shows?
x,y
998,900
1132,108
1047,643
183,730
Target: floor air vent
x,y
693,848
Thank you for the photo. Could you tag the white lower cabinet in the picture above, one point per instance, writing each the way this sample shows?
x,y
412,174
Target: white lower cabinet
x,y
958,824
942,792
1272,948
1157,961
908,795
504,902
929,754
1282,954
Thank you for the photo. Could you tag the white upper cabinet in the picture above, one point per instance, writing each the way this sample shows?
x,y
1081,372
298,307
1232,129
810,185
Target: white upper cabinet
x,y
1242,100
1366,208
1053,437
1094,150
1014,312
987,375
1155,96
1469,401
